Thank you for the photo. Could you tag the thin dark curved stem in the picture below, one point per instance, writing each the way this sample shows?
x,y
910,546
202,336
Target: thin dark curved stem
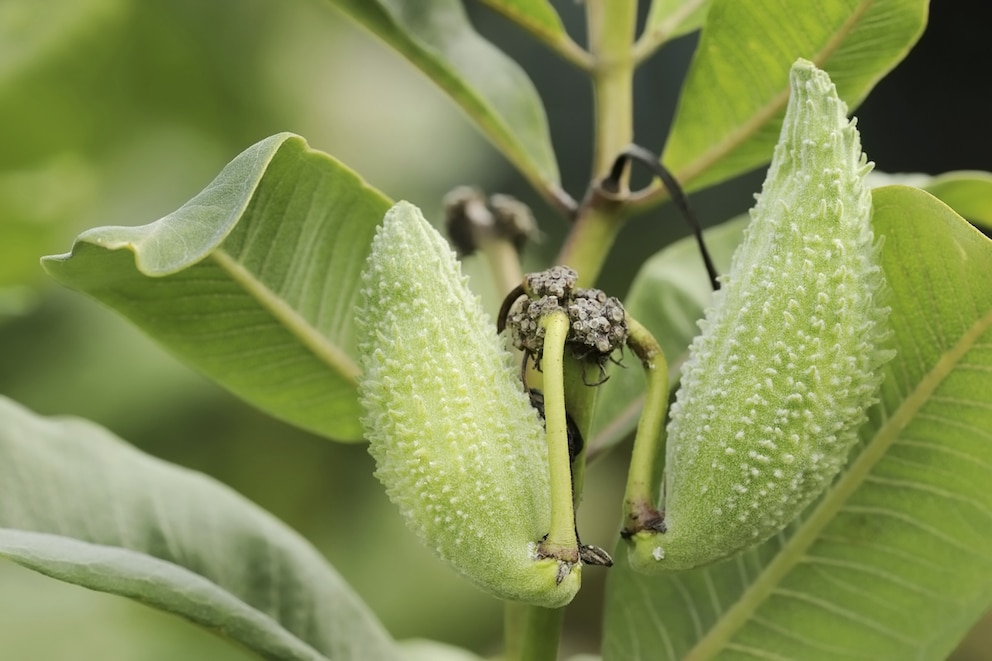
x,y
649,160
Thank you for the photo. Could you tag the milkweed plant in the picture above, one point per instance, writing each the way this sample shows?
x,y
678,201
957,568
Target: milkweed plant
x,y
802,394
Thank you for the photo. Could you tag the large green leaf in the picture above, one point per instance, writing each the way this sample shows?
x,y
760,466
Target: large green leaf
x,y
731,107
895,560
491,88
78,504
253,281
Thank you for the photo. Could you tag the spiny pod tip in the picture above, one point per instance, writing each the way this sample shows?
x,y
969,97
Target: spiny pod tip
x,y
790,357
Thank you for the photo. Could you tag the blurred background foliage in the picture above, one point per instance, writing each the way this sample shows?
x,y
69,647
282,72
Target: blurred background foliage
x,y
118,111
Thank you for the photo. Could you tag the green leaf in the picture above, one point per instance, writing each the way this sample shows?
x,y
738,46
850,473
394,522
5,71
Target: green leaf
x,y
895,560
731,107
252,282
491,88
540,19
80,505
668,297
968,193
668,19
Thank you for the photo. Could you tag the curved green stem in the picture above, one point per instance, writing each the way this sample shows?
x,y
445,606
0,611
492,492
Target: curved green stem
x,y
639,499
561,542
580,402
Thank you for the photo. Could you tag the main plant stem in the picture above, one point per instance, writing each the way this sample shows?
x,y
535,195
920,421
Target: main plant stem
x,y
612,25
531,633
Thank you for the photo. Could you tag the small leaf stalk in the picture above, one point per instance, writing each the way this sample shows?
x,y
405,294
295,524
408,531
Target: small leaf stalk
x,y
561,541
640,512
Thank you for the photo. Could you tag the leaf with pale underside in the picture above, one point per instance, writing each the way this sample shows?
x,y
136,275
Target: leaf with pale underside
x,y
895,559
253,281
491,88
81,506
731,106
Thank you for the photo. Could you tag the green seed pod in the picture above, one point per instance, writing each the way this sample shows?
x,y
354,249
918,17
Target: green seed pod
x,y
457,444
789,358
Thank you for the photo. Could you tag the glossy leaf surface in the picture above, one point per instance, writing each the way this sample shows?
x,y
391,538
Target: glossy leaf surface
x,y
253,281
731,107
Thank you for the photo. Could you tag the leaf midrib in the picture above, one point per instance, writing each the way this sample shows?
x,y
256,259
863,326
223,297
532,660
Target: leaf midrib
x,y
325,350
764,114
809,530
32,541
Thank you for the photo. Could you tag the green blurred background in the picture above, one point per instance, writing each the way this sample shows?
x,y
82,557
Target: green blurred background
x,y
118,111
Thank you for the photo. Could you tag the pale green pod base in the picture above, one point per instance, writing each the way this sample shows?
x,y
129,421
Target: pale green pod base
x,y
457,444
789,359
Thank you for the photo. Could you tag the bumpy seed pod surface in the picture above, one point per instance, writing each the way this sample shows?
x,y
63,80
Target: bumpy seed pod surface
x,y
458,446
789,357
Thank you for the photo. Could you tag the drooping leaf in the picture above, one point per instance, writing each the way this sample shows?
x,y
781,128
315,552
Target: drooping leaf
x,y
895,560
79,505
667,296
252,282
731,106
490,87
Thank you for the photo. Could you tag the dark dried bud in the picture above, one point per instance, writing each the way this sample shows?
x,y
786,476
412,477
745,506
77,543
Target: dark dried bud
x,y
597,322
471,219
513,220
464,211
